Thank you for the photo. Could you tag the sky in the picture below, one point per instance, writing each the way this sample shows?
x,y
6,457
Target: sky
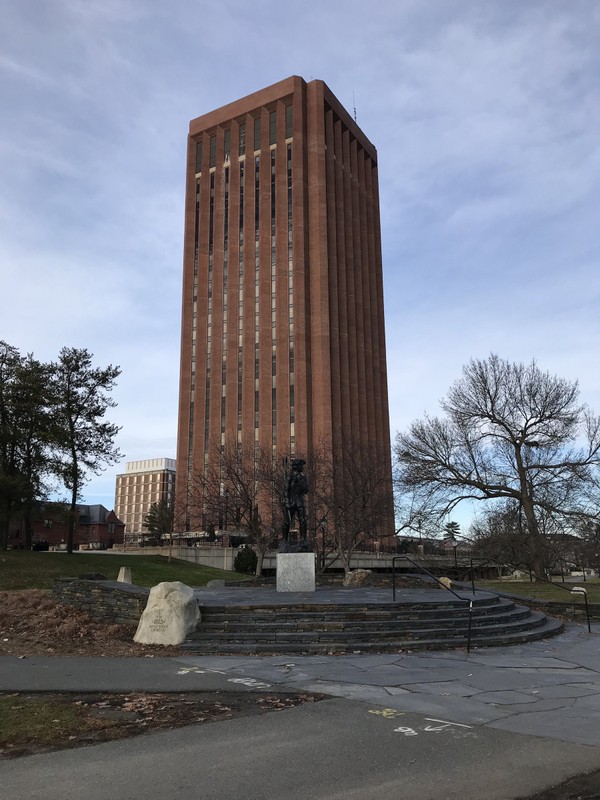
x,y
486,118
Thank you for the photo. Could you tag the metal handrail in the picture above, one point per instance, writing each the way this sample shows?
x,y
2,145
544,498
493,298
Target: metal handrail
x,y
422,569
537,578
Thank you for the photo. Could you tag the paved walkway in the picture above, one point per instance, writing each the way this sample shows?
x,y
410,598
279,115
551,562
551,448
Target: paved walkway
x,y
499,723
549,688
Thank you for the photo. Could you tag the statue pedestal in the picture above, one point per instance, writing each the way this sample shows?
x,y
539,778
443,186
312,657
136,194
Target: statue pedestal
x,y
295,572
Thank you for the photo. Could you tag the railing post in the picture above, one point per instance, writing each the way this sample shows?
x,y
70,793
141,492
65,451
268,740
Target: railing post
x,y
469,628
587,612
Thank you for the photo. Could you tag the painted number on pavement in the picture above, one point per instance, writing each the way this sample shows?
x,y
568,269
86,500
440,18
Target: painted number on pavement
x,y
457,729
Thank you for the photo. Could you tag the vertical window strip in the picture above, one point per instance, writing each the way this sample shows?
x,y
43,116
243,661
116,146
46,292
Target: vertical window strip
x,y
273,205
211,220
272,127
257,133
290,292
211,213
194,315
256,195
242,140
225,284
273,302
240,292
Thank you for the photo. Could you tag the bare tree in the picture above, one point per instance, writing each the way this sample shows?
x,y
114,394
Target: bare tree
x,y
352,494
511,432
241,483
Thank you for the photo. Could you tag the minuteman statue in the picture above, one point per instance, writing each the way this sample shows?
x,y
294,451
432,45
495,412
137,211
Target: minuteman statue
x,y
295,488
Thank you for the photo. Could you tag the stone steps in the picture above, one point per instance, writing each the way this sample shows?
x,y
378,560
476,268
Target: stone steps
x,y
314,647
340,628
355,625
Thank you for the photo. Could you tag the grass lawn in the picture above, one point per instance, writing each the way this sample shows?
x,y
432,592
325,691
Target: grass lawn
x,y
545,591
40,720
21,569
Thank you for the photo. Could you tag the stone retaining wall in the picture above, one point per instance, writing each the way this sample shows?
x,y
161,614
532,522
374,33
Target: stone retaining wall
x,y
109,601
573,609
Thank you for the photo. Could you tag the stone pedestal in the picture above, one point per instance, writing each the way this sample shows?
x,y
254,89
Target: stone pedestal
x,y
295,572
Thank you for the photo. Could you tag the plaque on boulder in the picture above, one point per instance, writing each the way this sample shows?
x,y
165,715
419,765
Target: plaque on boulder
x,y
171,613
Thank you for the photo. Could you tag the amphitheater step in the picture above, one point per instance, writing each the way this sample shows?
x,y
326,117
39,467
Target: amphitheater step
x,y
343,628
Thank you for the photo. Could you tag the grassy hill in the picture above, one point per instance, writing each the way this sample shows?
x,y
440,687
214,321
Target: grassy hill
x,y
21,569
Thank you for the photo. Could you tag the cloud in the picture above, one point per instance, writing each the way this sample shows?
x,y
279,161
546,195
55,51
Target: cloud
x,y
487,125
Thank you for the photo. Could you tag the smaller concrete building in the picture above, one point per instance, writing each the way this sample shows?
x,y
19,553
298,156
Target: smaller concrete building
x,y
144,482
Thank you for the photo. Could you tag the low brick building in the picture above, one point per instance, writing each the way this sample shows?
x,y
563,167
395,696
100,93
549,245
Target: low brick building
x,y
96,528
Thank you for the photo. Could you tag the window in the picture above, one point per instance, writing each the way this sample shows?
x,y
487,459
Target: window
x,y
199,157
288,122
213,151
227,145
257,133
242,147
272,127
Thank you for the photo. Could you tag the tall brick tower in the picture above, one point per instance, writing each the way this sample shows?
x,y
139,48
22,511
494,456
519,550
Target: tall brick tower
x,y
283,343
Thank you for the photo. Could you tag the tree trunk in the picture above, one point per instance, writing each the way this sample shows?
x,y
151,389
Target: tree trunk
x,y
28,528
71,520
5,523
260,555
537,560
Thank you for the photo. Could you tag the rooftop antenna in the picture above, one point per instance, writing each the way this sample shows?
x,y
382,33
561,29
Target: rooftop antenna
x,y
354,105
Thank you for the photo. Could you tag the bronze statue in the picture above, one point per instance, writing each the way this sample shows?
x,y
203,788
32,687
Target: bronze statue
x,y
295,488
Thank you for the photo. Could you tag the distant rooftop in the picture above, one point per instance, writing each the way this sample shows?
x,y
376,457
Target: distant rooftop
x,y
150,465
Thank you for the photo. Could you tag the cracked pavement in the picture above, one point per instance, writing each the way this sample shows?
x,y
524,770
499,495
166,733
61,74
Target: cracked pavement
x,y
549,688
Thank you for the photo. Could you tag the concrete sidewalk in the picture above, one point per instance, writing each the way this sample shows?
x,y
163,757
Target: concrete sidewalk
x,y
549,688
499,723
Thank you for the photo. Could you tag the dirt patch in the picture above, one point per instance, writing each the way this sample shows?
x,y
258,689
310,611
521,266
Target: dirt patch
x,y
33,624
39,723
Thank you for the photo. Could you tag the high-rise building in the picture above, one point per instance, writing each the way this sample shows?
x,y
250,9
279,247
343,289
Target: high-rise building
x,y
151,480
283,339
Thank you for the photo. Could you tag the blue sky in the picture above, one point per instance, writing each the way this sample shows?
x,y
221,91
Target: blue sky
x,y
486,117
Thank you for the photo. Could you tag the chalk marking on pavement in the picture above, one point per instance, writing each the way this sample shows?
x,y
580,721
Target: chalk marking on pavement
x,y
445,723
406,731
250,682
198,671
388,713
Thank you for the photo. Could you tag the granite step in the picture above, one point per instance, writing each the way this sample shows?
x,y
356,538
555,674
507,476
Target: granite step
x,y
548,628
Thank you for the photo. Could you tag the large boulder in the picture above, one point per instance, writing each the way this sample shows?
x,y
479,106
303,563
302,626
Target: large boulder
x,y
170,614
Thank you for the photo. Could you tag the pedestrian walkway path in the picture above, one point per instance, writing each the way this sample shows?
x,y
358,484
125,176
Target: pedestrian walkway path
x,y
549,688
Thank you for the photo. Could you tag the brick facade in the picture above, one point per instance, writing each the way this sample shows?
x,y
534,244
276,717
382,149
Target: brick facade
x,y
283,339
